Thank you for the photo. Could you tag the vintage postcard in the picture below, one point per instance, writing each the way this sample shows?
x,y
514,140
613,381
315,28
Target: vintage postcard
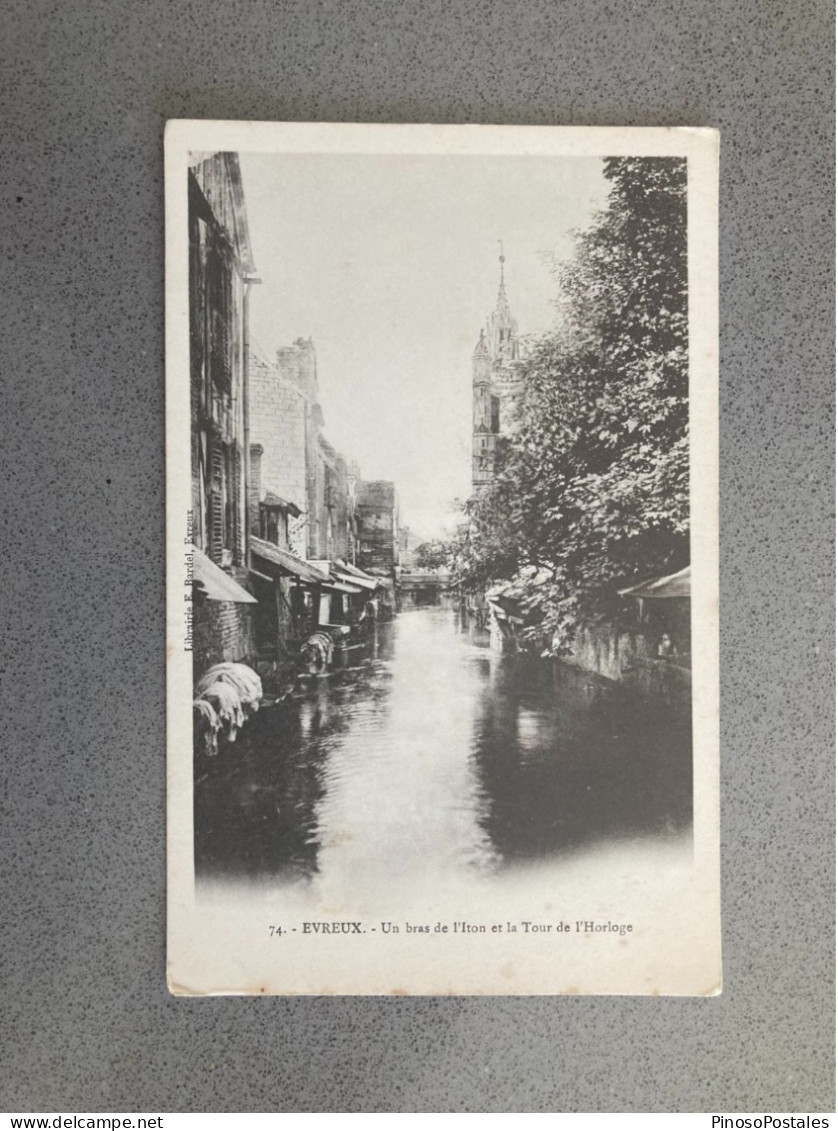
x,y
442,560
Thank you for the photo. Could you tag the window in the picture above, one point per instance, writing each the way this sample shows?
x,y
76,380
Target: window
x,y
217,503
222,505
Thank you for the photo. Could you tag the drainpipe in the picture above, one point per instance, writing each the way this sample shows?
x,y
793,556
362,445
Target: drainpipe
x,y
248,281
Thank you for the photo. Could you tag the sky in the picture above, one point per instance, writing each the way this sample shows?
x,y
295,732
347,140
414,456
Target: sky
x,y
390,263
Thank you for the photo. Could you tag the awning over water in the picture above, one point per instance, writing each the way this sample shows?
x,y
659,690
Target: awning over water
x,y
354,576
285,563
345,578
341,586
214,583
675,585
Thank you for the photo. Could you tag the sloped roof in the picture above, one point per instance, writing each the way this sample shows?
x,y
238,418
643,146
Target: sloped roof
x,y
674,585
287,562
352,573
214,583
276,501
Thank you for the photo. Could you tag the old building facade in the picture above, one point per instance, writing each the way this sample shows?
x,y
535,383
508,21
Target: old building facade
x,y
298,463
275,507
220,271
280,426
302,501
377,525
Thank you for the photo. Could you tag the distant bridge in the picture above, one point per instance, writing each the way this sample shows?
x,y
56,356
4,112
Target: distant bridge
x,y
422,588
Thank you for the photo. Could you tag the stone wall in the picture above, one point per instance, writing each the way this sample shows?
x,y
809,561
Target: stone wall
x,y
223,631
609,651
633,656
653,656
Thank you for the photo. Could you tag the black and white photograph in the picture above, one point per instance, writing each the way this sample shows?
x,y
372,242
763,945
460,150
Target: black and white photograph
x,y
442,560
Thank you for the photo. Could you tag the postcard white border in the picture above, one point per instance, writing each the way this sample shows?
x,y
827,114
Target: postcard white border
x,y
214,950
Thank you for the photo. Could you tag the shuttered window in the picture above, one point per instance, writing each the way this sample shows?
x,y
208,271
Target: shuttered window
x,y
217,504
220,303
235,524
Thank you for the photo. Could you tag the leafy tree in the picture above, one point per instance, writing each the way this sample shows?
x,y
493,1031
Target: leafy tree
x,y
592,490
433,555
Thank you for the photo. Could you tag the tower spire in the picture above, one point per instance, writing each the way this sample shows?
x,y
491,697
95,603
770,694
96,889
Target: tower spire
x,y
502,311
502,333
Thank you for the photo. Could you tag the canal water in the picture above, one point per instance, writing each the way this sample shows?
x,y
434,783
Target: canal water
x,y
426,758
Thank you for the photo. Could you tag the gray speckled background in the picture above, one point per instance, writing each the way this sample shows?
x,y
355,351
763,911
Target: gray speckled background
x,y
88,1023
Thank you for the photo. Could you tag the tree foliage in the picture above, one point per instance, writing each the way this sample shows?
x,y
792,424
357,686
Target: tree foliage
x,y
592,489
437,554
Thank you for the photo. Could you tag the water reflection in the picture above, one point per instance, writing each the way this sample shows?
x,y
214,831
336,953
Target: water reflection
x,y
426,757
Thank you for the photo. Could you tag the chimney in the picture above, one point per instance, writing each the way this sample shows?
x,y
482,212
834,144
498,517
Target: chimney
x,y
307,361
288,363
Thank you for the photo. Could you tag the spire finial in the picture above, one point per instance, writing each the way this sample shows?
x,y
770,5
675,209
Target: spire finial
x,y
501,290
